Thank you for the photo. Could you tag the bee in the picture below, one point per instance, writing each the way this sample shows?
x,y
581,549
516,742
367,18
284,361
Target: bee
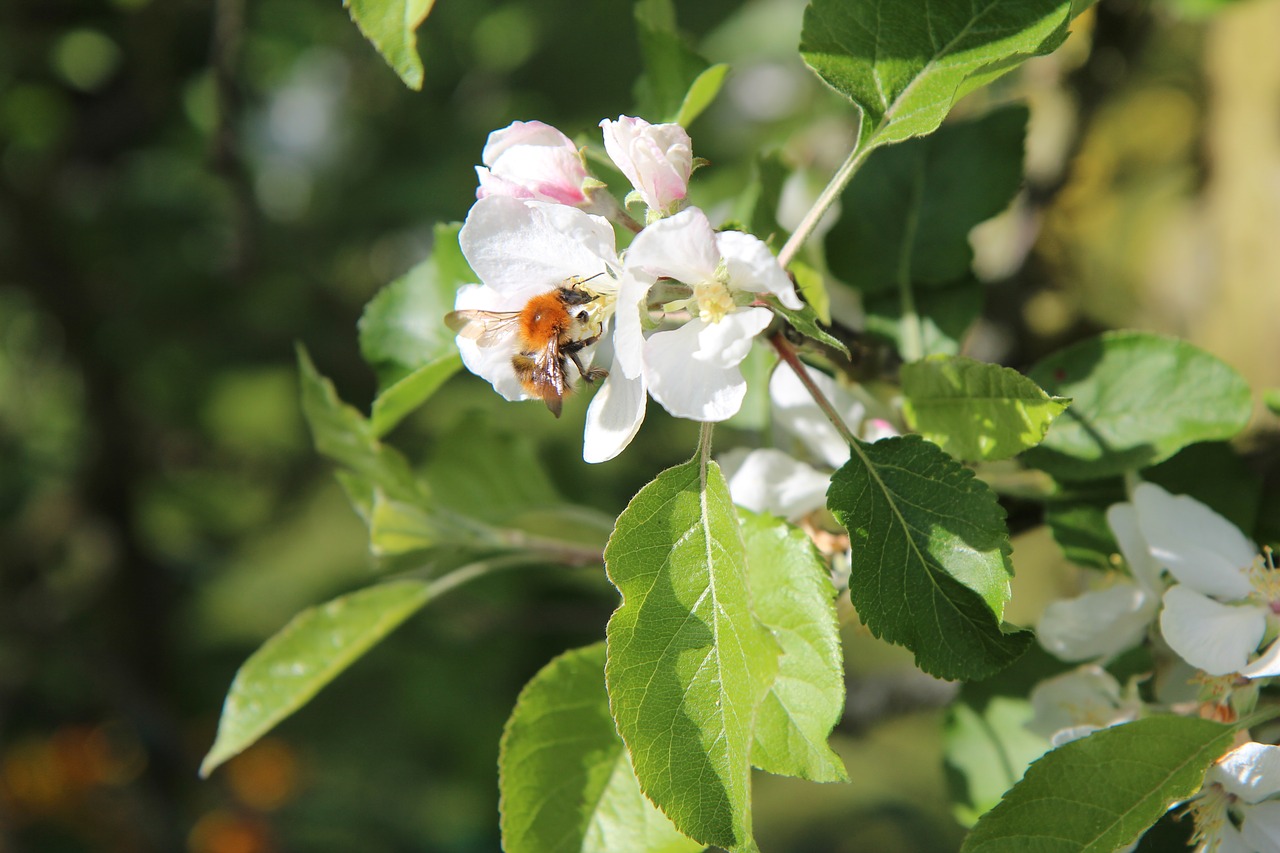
x,y
550,330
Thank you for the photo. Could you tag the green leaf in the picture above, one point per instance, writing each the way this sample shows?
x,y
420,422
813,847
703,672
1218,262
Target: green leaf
x,y
812,287
794,598
1080,528
930,555
939,317
689,663
756,206
345,436
909,210
985,745
564,774
489,473
976,411
396,527
401,398
1271,397
1137,399
308,653
390,25
904,63
1101,793
805,321
702,91
989,748
403,335
671,66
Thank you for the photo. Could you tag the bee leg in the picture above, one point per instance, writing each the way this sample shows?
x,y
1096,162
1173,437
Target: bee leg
x,y
589,374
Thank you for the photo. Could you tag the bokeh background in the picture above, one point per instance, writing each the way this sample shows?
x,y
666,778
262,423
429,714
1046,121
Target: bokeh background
x,y
189,187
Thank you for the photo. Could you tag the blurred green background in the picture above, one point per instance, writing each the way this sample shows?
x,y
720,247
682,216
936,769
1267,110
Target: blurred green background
x,y
188,187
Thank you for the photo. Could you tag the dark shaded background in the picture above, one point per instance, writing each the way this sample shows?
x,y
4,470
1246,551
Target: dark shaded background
x,y
188,188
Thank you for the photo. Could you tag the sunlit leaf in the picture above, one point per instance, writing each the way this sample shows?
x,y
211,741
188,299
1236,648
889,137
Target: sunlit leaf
x,y
1100,793
689,662
564,773
976,411
291,667
391,26
1137,399
930,556
904,63
702,91
793,596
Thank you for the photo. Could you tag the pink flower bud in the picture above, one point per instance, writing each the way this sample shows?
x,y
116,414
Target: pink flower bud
x,y
656,158
532,160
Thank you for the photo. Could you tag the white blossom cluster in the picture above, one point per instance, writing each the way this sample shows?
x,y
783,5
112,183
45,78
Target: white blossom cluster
x,y
1197,588
542,219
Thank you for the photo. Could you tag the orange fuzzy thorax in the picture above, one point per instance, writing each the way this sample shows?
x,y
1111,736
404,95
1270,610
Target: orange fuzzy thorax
x,y
543,320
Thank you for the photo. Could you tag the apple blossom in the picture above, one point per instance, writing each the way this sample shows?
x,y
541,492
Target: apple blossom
x,y
533,160
1104,622
656,158
1071,705
1238,810
771,480
693,370
520,249
1218,612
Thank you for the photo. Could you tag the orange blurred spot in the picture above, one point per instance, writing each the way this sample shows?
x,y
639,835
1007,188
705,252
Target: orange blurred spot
x,y
224,832
265,776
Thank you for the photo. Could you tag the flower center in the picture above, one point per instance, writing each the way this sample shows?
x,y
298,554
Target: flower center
x,y
1209,811
713,299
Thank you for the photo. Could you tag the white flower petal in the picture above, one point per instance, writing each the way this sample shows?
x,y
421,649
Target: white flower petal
x,y
522,248
1123,521
768,480
726,343
1086,696
1214,637
682,247
1199,547
686,386
492,363
1267,665
1260,830
752,267
628,335
614,416
1251,771
1100,623
795,411
1063,736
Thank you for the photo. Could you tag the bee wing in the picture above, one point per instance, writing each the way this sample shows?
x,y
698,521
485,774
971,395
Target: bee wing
x,y
486,328
544,376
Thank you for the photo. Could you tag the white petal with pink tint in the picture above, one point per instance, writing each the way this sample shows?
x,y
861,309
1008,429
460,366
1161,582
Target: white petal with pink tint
x,y
656,158
532,160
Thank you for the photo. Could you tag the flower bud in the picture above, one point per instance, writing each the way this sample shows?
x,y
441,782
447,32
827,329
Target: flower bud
x,y
533,160
656,158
